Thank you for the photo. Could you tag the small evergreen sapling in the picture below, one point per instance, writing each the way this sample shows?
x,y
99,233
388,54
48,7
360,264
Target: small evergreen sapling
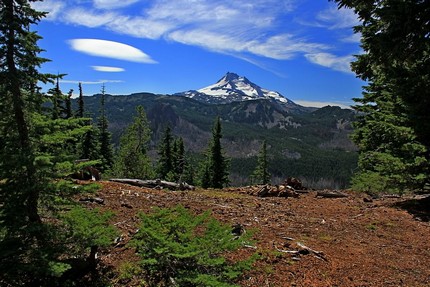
x,y
178,246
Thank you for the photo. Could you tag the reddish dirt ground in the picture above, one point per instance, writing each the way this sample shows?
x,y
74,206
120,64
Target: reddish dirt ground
x,y
384,242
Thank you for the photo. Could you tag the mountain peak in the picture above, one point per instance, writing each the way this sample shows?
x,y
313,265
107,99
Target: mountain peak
x,y
235,88
230,77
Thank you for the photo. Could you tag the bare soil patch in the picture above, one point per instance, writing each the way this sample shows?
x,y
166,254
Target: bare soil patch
x,y
357,241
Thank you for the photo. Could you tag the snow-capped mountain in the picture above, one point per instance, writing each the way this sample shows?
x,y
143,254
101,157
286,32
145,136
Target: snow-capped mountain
x,y
235,88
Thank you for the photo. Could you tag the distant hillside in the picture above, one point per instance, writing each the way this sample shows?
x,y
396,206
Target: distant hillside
x,y
312,145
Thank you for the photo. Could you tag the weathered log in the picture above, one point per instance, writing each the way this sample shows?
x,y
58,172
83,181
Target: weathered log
x,y
154,183
331,194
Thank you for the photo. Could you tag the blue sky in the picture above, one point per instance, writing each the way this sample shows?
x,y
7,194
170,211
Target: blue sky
x,y
300,48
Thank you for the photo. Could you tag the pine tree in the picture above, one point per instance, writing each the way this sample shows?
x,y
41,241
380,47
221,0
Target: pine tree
x,y
81,109
393,133
18,55
261,173
132,160
57,98
165,153
68,112
179,160
106,151
33,151
215,169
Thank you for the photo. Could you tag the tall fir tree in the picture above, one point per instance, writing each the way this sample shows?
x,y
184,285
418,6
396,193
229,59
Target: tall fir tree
x,y
393,131
81,107
132,160
105,146
68,110
88,145
215,168
19,58
261,173
179,160
165,154
33,151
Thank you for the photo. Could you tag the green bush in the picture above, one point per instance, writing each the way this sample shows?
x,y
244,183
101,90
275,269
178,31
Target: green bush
x,y
182,249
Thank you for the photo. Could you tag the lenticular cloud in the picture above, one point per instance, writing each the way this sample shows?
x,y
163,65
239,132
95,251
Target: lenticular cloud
x,y
110,49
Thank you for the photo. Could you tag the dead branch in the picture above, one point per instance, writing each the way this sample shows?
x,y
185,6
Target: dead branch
x,y
331,194
154,183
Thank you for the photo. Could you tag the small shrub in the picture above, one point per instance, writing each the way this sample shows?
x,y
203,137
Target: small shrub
x,y
179,248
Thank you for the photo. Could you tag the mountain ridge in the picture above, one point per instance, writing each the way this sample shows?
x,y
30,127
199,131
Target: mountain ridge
x,y
313,146
234,88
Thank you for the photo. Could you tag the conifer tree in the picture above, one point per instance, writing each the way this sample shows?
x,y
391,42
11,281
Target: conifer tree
x,y
18,55
88,144
393,131
132,160
261,173
33,150
165,153
215,169
68,111
106,151
81,109
179,161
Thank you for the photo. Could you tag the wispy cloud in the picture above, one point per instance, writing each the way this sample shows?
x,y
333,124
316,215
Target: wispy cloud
x,y
54,8
87,17
239,28
284,47
335,18
98,82
107,69
113,4
110,49
331,61
354,38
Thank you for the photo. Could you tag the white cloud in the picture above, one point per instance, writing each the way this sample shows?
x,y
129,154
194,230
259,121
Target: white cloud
x,y
284,47
112,4
140,27
98,82
89,18
354,38
331,61
336,18
240,28
54,8
107,69
110,49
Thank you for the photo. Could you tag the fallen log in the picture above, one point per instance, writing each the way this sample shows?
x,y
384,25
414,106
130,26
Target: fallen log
x,y
154,183
331,194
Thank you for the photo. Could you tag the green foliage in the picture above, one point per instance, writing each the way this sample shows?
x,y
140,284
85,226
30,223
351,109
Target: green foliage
x,y
172,164
105,146
393,132
215,168
37,146
261,173
165,153
87,228
132,160
178,246
81,107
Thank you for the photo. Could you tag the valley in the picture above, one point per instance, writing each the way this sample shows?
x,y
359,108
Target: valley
x,y
309,143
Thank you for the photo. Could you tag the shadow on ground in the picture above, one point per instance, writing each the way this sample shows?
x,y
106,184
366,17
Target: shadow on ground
x,y
418,207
